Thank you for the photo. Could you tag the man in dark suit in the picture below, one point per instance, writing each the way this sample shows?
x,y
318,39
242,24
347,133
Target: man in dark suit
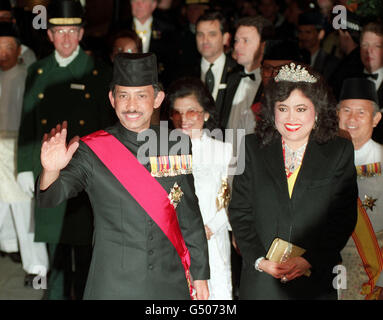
x,y
135,217
214,67
371,53
157,36
310,34
351,65
244,83
66,85
188,56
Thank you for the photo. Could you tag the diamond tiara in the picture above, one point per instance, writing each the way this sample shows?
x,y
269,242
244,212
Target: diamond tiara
x,y
292,74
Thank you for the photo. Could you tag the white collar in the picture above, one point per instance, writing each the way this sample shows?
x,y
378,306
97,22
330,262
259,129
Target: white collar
x,y
367,153
256,72
218,63
63,62
147,25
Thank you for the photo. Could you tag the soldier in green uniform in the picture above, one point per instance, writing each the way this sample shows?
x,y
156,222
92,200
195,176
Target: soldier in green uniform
x,y
67,85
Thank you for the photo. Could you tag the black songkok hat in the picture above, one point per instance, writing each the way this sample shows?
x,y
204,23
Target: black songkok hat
x,y
135,70
65,13
8,29
5,5
359,88
312,18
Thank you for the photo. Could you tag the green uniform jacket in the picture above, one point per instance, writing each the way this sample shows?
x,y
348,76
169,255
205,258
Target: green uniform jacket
x,y
77,93
132,257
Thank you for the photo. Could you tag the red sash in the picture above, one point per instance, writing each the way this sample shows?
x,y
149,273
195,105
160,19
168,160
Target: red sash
x,y
137,181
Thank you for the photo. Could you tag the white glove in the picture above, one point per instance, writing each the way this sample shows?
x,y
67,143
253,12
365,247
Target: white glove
x,y
26,182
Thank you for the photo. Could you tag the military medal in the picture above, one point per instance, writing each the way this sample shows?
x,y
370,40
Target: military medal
x,y
369,202
170,166
369,170
175,195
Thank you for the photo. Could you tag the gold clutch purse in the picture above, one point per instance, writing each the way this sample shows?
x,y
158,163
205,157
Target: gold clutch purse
x,y
281,250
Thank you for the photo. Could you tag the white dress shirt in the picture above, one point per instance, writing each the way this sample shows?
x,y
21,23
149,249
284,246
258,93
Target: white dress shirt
x,y
241,115
217,70
144,31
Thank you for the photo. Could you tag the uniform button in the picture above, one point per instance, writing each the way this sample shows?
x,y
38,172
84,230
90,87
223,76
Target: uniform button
x,y
81,122
41,95
87,95
150,237
95,72
44,121
150,252
40,71
150,267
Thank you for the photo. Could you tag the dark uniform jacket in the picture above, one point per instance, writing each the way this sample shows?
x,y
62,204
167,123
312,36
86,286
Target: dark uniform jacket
x,y
76,93
319,217
132,257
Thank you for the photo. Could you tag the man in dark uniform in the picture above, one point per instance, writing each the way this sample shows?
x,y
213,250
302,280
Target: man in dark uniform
x,y
134,198
311,32
66,85
158,36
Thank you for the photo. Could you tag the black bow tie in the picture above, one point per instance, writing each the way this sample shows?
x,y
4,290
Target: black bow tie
x,y
371,75
250,75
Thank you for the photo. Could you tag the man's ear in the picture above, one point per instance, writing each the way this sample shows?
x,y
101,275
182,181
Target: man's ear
x,y
321,35
50,35
376,119
111,98
159,98
80,34
226,39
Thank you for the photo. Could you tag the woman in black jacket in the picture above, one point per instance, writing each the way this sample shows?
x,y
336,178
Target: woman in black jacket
x,y
299,185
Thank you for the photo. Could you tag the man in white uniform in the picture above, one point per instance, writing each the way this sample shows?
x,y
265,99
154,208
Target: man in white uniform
x,y
16,225
358,115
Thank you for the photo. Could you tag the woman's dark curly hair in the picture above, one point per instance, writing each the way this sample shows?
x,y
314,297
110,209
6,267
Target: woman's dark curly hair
x,y
319,93
188,86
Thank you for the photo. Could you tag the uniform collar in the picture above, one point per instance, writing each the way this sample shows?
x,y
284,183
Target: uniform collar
x,y
64,62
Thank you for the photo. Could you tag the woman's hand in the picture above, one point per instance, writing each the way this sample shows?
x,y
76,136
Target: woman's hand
x,y
275,269
296,267
291,269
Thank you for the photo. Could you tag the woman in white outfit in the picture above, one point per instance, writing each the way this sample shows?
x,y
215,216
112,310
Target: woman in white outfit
x,y
192,110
